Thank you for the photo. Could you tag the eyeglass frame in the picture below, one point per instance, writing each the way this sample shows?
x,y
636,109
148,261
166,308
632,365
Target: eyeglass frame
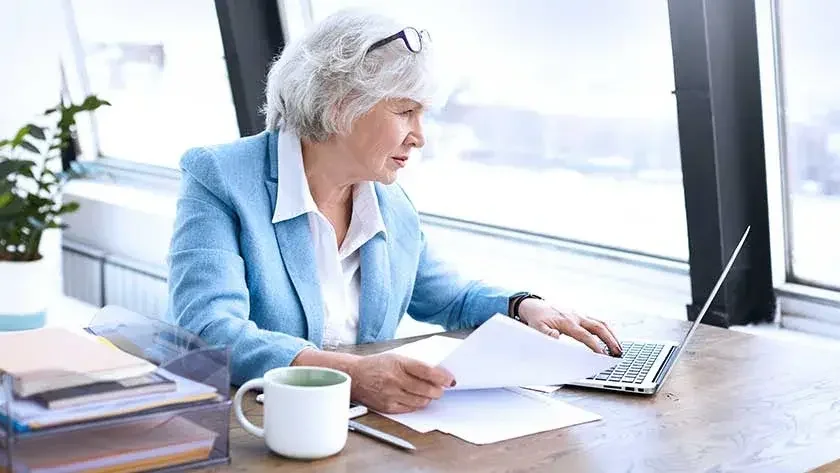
x,y
401,35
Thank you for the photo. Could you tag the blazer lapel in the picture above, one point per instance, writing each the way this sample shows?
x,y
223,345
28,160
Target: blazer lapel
x,y
295,242
376,288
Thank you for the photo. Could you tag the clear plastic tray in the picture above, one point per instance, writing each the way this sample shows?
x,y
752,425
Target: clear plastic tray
x,y
171,437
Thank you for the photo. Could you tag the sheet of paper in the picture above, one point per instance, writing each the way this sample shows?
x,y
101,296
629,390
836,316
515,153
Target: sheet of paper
x,y
431,350
434,349
493,415
543,389
505,353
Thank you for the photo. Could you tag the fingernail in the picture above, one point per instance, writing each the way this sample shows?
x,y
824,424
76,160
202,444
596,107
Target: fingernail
x,y
452,384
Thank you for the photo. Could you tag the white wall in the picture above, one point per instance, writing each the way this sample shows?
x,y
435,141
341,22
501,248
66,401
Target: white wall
x,y
30,42
30,39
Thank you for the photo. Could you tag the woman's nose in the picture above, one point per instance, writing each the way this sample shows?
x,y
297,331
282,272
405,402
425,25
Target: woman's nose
x,y
416,137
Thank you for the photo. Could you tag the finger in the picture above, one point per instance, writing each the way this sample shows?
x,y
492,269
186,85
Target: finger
x,y
396,407
611,332
431,374
582,335
412,400
551,332
421,387
599,329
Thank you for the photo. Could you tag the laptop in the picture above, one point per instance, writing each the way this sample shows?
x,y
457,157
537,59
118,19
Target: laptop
x,y
645,364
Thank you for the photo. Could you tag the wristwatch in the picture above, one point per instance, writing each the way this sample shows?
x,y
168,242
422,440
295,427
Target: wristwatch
x,y
515,300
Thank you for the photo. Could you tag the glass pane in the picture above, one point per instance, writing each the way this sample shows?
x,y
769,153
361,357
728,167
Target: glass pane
x,y
558,119
810,72
161,65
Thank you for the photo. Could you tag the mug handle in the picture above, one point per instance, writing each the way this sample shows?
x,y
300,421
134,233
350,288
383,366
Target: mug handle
x,y
237,407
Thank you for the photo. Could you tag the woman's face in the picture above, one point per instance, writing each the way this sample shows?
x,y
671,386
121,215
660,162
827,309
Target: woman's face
x,y
379,142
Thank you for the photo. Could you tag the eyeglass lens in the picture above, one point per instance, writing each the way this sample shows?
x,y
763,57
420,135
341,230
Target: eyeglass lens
x,y
412,39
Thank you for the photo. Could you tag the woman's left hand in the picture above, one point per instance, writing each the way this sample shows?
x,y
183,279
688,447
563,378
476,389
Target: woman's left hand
x,y
542,316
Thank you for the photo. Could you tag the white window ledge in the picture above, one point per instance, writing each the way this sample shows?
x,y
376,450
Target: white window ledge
x,y
121,220
136,223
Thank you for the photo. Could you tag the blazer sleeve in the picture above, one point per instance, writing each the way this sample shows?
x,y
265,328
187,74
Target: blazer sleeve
x,y
208,294
442,297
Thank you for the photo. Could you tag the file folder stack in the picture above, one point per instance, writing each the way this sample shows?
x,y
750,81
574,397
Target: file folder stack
x,y
127,393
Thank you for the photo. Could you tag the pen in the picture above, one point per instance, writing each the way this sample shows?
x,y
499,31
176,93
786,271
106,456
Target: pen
x,y
371,432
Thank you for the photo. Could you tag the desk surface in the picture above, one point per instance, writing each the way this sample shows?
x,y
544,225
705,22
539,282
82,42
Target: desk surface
x,y
735,402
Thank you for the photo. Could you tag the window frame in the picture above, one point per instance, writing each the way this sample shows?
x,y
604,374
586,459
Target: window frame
x,y
242,25
804,305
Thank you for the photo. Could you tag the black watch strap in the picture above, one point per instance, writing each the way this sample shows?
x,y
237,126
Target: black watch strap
x,y
514,302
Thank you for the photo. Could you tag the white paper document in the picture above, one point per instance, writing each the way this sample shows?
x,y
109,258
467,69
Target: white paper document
x,y
486,405
431,350
493,415
505,353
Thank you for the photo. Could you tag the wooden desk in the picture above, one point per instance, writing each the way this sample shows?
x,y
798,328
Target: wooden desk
x,y
736,402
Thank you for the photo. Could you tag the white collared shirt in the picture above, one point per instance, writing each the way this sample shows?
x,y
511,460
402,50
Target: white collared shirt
x,y
338,268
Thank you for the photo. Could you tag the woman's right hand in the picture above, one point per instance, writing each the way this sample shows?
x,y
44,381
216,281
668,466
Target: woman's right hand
x,y
396,384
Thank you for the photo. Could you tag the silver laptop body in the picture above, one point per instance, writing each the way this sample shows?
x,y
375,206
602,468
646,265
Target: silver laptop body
x,y
645,364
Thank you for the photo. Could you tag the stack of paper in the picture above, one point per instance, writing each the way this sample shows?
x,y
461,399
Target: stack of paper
x,y
487,406
28,414
142,445
53,358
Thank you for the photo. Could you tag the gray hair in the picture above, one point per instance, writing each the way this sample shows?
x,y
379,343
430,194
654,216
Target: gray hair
x,y
325,79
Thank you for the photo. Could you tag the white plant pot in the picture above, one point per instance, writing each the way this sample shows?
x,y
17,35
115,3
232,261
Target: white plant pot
x,y
24,294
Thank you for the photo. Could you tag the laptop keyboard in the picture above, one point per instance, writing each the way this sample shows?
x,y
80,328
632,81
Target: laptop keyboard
x,y
636,362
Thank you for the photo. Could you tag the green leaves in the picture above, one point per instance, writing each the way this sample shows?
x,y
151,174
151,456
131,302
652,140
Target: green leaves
x,y
37,132
14,206
21,134
91,103
16,166
30,191
24,138
68,114
67,208
29,147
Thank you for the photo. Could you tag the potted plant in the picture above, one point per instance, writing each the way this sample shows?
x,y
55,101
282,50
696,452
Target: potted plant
x,y
31,184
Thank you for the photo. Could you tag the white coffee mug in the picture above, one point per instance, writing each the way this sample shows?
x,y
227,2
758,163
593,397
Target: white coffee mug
x,y
305,411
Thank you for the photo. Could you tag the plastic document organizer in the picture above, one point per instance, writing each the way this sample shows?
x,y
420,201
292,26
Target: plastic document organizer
x,y
183,429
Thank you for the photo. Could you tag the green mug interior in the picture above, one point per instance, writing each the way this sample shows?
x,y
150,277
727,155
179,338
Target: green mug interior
x,y
307,378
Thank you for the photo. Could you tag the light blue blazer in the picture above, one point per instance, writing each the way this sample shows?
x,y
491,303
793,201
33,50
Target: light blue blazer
x,y
236,279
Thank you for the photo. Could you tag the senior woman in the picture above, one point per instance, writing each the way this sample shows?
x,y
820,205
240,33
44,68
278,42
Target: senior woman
x,y
298,239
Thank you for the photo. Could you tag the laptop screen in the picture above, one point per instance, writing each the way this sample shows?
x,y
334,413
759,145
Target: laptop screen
x,y
711,297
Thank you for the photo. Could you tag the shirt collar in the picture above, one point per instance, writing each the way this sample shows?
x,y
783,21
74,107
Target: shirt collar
x,y
366,221
294,197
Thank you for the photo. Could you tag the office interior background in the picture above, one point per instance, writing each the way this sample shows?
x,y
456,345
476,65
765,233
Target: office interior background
x,y
606,154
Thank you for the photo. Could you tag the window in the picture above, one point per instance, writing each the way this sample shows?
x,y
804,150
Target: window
x,y
558,119
810,78
162,67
